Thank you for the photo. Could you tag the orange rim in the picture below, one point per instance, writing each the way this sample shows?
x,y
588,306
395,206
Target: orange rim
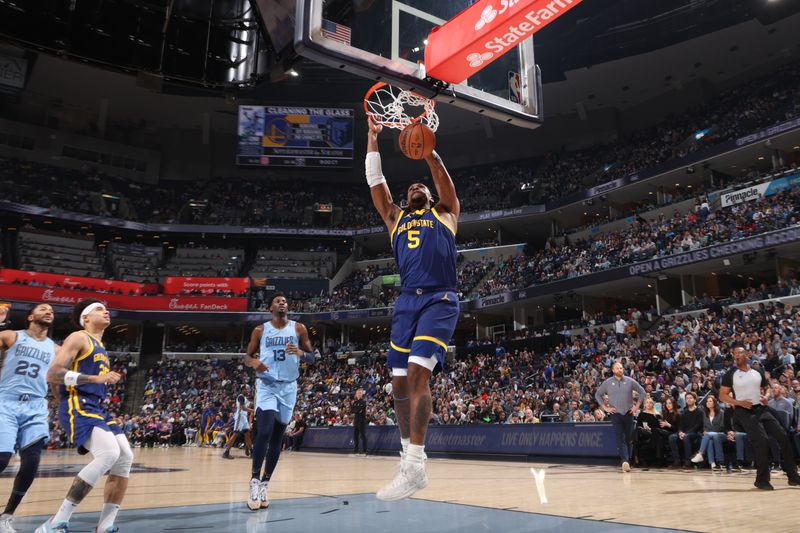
x,y
388,123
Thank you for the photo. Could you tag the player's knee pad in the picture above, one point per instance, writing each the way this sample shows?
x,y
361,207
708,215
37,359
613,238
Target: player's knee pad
x,y
105,450
122,467
5,457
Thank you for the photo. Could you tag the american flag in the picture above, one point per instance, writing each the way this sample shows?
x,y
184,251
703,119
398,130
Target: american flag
x,y
337,32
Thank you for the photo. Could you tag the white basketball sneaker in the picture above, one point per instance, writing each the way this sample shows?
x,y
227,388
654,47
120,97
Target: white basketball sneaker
x,y
254,500
7,524
47,527
409,479
263,494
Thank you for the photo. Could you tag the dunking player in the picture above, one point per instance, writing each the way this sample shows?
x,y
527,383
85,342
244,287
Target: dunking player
x,y
278,344
23,407
83,370
426,313
241,428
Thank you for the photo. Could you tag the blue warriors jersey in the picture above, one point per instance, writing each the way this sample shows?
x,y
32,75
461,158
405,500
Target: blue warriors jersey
x,y
425,250
94,363
25,367
282,366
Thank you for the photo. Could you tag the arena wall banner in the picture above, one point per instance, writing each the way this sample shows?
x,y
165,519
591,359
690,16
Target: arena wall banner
x,y
178,284
667,166
8,275
564,440
768,188
776,129
757,242
138,303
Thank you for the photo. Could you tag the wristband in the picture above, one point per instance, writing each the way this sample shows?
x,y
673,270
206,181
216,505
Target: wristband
x,y
71,378
373,169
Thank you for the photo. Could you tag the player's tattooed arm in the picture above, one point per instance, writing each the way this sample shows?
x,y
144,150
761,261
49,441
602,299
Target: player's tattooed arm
x,y
75,344
250,358
448,199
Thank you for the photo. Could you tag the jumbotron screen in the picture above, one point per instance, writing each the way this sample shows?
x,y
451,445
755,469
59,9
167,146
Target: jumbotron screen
x,y
291,136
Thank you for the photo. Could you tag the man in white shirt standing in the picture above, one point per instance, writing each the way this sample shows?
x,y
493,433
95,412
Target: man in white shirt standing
x,y
744,388
619,328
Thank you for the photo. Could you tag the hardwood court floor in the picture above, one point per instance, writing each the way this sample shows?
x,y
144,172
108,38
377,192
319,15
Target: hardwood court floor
x,y
599,496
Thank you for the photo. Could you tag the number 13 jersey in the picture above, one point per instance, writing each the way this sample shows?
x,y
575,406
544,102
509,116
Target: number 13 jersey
x,y
282,366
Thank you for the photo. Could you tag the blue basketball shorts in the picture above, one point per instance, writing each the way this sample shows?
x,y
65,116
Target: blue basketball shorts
x,y
279,396
422,326
78,415
22,423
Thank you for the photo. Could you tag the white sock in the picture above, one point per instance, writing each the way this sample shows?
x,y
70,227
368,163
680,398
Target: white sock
x,y
404,443
64,512
107,516
415,454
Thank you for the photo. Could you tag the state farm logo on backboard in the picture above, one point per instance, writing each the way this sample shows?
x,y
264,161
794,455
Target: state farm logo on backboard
x,y
502,38
475,59
488,15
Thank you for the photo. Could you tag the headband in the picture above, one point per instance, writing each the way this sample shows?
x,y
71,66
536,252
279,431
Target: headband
x,y
88,309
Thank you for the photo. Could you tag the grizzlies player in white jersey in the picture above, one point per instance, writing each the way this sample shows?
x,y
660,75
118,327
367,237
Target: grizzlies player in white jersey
x,y
23,407
280,344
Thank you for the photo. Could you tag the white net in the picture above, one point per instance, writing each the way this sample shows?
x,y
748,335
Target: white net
x,y
388,106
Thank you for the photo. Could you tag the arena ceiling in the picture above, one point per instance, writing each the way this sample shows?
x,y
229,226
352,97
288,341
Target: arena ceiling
x,y
600,55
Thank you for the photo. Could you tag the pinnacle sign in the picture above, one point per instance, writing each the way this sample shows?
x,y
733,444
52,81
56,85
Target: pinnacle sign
x,y
485,31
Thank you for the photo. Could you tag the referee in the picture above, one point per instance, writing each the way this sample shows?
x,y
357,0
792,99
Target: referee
x,y
749,387
621,407
360,422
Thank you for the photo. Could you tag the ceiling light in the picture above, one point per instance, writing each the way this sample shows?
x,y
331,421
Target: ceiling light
x,y
293,73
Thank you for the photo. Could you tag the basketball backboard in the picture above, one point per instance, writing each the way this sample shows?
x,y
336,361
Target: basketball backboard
x,y
384,40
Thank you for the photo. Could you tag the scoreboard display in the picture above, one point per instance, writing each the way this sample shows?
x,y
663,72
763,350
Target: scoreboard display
x,y
283,136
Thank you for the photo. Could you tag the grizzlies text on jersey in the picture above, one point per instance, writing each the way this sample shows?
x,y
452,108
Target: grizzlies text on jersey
x,y
81,406
23,388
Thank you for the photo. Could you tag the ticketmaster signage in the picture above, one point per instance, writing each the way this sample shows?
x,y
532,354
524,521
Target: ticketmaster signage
x,y
565,440
759,191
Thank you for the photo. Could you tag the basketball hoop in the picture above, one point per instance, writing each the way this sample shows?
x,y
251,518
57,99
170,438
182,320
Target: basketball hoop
x,y
387,106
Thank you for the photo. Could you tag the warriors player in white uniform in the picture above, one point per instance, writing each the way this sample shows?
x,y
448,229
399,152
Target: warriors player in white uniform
x,y
281,344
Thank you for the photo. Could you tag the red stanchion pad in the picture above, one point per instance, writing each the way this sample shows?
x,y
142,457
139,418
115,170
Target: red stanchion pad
x,y
485,31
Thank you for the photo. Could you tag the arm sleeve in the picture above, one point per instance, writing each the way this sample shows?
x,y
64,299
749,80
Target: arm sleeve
x,y
764,382
727,379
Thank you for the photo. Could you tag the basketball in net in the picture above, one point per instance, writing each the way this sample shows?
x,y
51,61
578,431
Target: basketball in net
x,y
407,111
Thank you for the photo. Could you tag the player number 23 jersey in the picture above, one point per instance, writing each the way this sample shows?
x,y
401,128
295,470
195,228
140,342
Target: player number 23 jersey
x,y
25,366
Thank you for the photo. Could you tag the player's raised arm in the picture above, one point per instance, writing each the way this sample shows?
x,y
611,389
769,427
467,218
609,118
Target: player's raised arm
x,y
252,348
381,195
59,372
448,201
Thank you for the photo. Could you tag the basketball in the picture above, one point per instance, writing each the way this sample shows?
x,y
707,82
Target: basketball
x,y
417,141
